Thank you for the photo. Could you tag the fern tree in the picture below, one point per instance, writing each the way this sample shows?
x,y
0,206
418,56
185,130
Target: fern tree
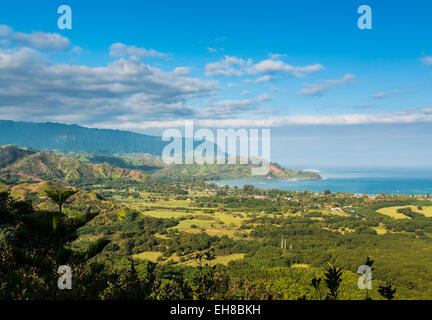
x,y
318,292
333,278
60,196
36,245
207,281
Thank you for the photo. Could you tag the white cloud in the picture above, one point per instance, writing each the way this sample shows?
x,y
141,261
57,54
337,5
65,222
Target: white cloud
x,y
261,79
235,67
383,94
380,95
265,78
120,50
39,90
271,66
405,116
319,88
229,108
5,30
181,71
38,40
228,67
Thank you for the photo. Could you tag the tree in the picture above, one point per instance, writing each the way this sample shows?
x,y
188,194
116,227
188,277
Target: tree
x,y
129,286
387,291
36,244
333,278
206,281
60,196
316,284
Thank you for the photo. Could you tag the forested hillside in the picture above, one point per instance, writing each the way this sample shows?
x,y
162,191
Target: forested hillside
x,y
130,236
21,165
55,136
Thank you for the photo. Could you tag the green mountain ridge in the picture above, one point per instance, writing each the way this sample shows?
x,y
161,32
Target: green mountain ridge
x,y
119,149
11,154
152,164
20,165
56,136
44,166
233,171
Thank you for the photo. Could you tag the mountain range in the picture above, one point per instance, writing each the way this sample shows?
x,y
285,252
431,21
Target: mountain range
x,y
73,152
62,137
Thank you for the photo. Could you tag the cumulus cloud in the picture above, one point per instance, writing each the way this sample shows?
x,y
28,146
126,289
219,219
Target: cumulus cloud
x,y
121,50
271,66
265,78
38,40
228,67
129,94
319,88
33,88
235,67
181,71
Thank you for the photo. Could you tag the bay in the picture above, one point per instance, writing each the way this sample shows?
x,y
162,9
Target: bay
x,y
352,180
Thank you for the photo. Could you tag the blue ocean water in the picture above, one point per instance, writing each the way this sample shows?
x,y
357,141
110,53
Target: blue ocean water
x,y
359,181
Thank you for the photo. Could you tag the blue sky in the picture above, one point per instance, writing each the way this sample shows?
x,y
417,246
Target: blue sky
x,y
302,68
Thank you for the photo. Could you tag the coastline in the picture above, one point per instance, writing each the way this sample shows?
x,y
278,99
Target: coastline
x,y
353,185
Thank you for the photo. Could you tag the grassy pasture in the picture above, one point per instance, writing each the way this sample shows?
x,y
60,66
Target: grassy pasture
x,y
392,211
148,255
380,230
154,255
165,214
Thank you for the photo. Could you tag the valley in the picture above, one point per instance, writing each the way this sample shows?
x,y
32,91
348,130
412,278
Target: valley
x,y
172,224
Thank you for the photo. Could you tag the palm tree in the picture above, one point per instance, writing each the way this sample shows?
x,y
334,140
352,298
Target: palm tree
x,y
333,278
316,284
59,196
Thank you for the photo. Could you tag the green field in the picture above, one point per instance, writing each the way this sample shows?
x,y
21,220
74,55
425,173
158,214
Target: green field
x,y
224,260
392,211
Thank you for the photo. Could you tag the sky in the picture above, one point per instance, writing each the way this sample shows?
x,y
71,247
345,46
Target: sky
x,y
331,93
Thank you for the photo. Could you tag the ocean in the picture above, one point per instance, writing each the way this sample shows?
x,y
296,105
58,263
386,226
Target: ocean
x,y
353,180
